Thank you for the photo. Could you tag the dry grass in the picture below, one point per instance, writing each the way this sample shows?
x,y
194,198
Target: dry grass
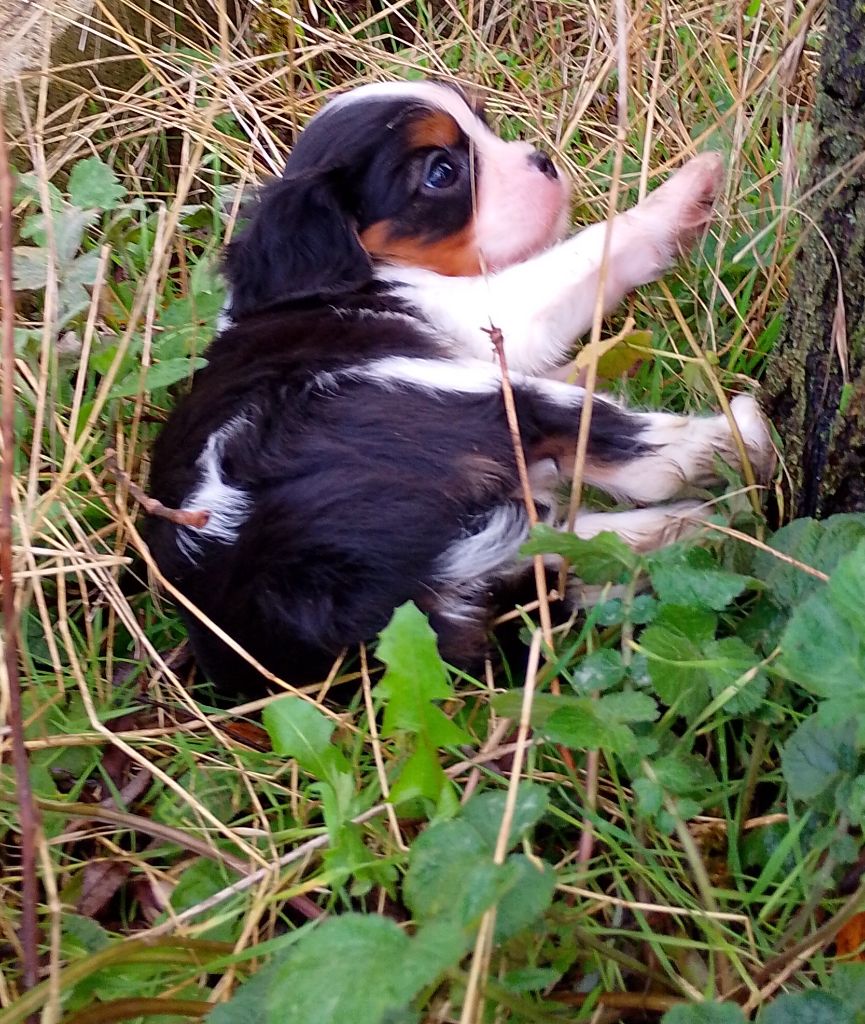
x,y
207,111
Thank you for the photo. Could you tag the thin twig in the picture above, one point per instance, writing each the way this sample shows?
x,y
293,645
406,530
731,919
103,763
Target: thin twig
x,y
198,518
28,815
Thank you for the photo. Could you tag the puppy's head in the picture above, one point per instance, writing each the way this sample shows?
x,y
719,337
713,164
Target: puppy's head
x,y
402,173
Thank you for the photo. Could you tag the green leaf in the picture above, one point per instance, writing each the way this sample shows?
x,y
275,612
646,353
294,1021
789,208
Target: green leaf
x,y
358,968
817,756
650,796
201,879
92,183
416,676
300,730
29,267
581,724
690,576
529,893
422,776
605,558
674,666
847,984
823,647
727,661
160,375
819,545
530,979
485,812
807,1008
597,671
704,1013
684,774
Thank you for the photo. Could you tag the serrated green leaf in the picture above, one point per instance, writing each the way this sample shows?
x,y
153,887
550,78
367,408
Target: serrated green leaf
x,y
451,874
847,984
684,774
485,812
819,545
92,184
422,776
415,677
29,267
727,661
160,375
605,558
300,730
807,1008
691,577
597,671
358,968
817,755
650,796
627,707
704,1013
579,724
529,893
674,666
202,879
823,647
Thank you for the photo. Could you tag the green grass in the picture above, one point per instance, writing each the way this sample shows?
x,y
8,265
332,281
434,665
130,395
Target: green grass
x,y
720,846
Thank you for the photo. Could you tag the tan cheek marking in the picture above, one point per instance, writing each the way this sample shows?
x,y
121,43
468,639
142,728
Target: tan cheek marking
x,y
436,130
454,256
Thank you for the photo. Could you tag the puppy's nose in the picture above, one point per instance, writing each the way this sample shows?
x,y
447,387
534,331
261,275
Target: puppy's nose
x,y
543,163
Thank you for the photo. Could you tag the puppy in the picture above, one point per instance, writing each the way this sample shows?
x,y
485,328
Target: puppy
x,y
348,437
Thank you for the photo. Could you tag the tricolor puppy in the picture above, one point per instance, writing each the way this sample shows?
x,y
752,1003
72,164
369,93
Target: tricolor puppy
x,y
348,436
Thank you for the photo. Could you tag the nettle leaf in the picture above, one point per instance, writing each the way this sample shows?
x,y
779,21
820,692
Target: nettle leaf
x,y
704,1013
817,756
818,544
452,876
92,183
485,811
597,671
605,558
589,724
356,967
823,647
300,730
691,577
727,662
807,1008
684,774
674,667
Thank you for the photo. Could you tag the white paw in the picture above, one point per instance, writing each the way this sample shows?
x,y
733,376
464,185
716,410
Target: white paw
x,y
755,433
682,206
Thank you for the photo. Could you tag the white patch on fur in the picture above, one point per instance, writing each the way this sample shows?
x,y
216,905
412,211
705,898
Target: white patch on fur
x,y
472,560
645,529
228,506
467,377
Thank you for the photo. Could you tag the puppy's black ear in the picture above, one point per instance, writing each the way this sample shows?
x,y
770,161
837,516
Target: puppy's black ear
x,y
299,243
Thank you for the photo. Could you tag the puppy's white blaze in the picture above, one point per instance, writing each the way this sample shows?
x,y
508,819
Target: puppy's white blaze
x,y
520,211
228,506
473,559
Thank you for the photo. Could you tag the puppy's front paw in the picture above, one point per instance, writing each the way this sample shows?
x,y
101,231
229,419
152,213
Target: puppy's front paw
x,y
681,208
755,433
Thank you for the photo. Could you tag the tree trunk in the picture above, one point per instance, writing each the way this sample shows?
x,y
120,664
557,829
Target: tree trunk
x,y
815,381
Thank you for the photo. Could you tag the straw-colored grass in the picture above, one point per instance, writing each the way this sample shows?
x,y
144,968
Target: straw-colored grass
x,y
160,818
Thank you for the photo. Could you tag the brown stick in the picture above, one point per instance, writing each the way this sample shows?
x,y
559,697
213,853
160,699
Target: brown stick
x,y
183,517
498,342
28,815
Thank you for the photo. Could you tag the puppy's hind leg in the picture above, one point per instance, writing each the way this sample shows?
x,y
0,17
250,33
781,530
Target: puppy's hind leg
x,y
645,529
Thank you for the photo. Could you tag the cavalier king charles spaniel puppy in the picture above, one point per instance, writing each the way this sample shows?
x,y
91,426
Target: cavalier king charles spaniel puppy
x,y
348,437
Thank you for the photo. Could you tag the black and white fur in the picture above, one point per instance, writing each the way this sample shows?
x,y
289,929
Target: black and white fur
x,y
348,436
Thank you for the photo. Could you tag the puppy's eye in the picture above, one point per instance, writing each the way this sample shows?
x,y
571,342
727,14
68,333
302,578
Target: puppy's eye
x,y
440,171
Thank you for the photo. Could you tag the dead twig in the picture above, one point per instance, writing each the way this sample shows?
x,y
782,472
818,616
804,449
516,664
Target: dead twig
x,y
198,518
28,814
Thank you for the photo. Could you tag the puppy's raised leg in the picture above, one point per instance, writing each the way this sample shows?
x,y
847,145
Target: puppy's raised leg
x,y
544,304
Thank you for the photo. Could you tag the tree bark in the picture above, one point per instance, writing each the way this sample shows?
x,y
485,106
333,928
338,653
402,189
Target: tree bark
x,y
814,391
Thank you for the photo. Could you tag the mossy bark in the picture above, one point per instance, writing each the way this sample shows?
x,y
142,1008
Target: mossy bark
x,y
821,419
